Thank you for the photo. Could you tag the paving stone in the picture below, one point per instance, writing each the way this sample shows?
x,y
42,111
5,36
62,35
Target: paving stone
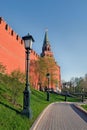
x,y
62,116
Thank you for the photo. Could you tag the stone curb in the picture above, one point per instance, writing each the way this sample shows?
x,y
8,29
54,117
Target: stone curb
x,y
40,117
80,108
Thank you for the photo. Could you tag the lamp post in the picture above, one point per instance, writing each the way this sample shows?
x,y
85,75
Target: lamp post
x,y
40,88
82,94
64,84
48,77
28,40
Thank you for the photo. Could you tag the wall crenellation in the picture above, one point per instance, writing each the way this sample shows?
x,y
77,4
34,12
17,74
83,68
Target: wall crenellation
x,y
10,30
12,33
0,20
34,53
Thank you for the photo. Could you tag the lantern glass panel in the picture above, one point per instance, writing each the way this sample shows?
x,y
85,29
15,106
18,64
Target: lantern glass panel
x,y
28,44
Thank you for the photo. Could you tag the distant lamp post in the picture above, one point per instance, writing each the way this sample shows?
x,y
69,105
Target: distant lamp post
x,y
82,94
64,84
48,77
28,40
40,84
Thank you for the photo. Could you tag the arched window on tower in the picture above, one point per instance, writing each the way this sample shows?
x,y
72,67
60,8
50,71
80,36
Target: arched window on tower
x,y
45,48
48,48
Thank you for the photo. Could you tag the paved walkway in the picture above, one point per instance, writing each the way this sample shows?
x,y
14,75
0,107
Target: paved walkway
x,y
61,116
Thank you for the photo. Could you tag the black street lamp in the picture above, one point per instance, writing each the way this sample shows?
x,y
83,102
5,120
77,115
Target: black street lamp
x,y
82,94
48,95
64,85
40,88
28,40
65,96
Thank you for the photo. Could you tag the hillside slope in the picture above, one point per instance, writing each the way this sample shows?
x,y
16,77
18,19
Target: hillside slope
x,y
11,102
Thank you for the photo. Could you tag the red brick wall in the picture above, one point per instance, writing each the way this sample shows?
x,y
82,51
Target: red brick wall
x,y
12,51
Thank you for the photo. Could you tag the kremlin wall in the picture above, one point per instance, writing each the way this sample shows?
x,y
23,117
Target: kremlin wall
x,y
12,54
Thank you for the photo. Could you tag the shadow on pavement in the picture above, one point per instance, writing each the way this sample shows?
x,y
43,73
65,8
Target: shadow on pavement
x,y
79,112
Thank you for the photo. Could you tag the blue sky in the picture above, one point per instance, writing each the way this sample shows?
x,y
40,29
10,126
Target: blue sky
x,y
66,21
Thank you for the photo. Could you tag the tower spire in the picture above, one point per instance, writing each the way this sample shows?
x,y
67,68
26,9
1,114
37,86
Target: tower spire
x,y
46,36
46,41
46,49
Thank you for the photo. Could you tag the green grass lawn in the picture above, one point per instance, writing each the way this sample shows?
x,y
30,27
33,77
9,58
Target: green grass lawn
x,y
10,114
10,117
84,106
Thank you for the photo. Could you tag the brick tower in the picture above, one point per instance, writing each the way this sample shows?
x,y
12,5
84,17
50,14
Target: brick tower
x,y
46,49
53,68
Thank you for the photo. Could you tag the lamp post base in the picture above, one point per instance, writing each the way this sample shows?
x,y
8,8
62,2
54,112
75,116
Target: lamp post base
x,y
48,96
65,98
27,113
26,104
82,98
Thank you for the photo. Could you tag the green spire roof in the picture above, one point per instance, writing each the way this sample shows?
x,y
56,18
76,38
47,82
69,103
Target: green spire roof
x,y
46,37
